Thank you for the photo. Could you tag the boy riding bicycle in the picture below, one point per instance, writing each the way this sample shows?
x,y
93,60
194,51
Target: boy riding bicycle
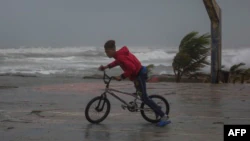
x,y
135,72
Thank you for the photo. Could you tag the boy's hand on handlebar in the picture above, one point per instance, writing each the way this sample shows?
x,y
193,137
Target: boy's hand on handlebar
x,y
118,78
102,68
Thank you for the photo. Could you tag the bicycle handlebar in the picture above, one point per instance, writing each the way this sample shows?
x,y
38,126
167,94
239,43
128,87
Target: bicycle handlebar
x,y
105,77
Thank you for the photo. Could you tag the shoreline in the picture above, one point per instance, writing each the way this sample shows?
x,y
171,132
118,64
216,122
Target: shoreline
x,y
16,81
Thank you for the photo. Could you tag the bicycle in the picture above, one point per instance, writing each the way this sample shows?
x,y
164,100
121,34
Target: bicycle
x,y
102,102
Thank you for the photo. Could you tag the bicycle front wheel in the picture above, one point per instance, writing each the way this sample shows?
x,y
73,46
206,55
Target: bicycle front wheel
x,y
97,109
148,114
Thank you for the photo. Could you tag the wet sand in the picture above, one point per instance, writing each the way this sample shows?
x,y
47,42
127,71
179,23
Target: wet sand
x,y
46,109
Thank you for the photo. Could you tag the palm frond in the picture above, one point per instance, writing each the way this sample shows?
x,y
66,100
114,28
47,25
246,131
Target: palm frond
x,y
192,55
186,39
234,68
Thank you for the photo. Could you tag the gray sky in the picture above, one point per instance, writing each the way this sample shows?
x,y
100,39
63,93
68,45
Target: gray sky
x,y
129,22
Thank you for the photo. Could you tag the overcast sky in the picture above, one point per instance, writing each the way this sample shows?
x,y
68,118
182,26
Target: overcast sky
x,y
129,22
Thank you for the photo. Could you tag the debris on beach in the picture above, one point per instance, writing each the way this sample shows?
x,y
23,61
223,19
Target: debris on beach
x,y
37,112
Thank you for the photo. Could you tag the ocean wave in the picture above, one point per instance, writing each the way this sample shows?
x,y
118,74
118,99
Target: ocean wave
x,y
154,55
77,61
143,53
51,52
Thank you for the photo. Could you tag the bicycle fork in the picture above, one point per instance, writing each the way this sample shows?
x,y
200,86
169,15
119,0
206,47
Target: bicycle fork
x,y
101,103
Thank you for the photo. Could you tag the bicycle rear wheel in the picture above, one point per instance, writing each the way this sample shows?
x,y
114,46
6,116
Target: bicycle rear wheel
x,y
148,114
97,109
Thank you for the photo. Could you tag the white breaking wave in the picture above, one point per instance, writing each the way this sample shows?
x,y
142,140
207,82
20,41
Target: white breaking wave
x,y
77,61
45,50
237,56
154,55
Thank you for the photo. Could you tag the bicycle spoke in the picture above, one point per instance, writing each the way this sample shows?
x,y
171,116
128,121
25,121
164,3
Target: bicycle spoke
x,y
94,110
149,114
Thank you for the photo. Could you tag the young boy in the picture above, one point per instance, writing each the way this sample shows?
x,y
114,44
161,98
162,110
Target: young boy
x,y
135,72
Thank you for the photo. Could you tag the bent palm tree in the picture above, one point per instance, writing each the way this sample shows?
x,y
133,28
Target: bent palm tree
x,y
192,55
236,72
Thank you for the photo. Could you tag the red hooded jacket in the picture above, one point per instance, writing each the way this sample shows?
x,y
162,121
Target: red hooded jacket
x,y
128,62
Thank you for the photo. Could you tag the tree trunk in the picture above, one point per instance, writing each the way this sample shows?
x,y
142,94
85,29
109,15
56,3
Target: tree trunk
x,y
224,76
178,77
234,80
242,78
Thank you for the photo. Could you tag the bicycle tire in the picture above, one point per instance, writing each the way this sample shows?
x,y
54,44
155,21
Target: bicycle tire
x,y
166,104
88,117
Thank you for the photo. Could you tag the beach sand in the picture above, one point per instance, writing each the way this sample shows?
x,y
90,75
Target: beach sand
x,y
52,109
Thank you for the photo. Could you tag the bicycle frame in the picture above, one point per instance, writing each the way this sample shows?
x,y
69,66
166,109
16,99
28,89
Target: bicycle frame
x,y
132,106
111,91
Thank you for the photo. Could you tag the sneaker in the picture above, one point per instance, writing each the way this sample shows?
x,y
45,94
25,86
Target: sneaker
x,y
164,121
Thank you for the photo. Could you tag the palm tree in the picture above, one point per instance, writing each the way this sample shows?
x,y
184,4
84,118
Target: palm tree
x,y
245,75
150,70
192,55
236,73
